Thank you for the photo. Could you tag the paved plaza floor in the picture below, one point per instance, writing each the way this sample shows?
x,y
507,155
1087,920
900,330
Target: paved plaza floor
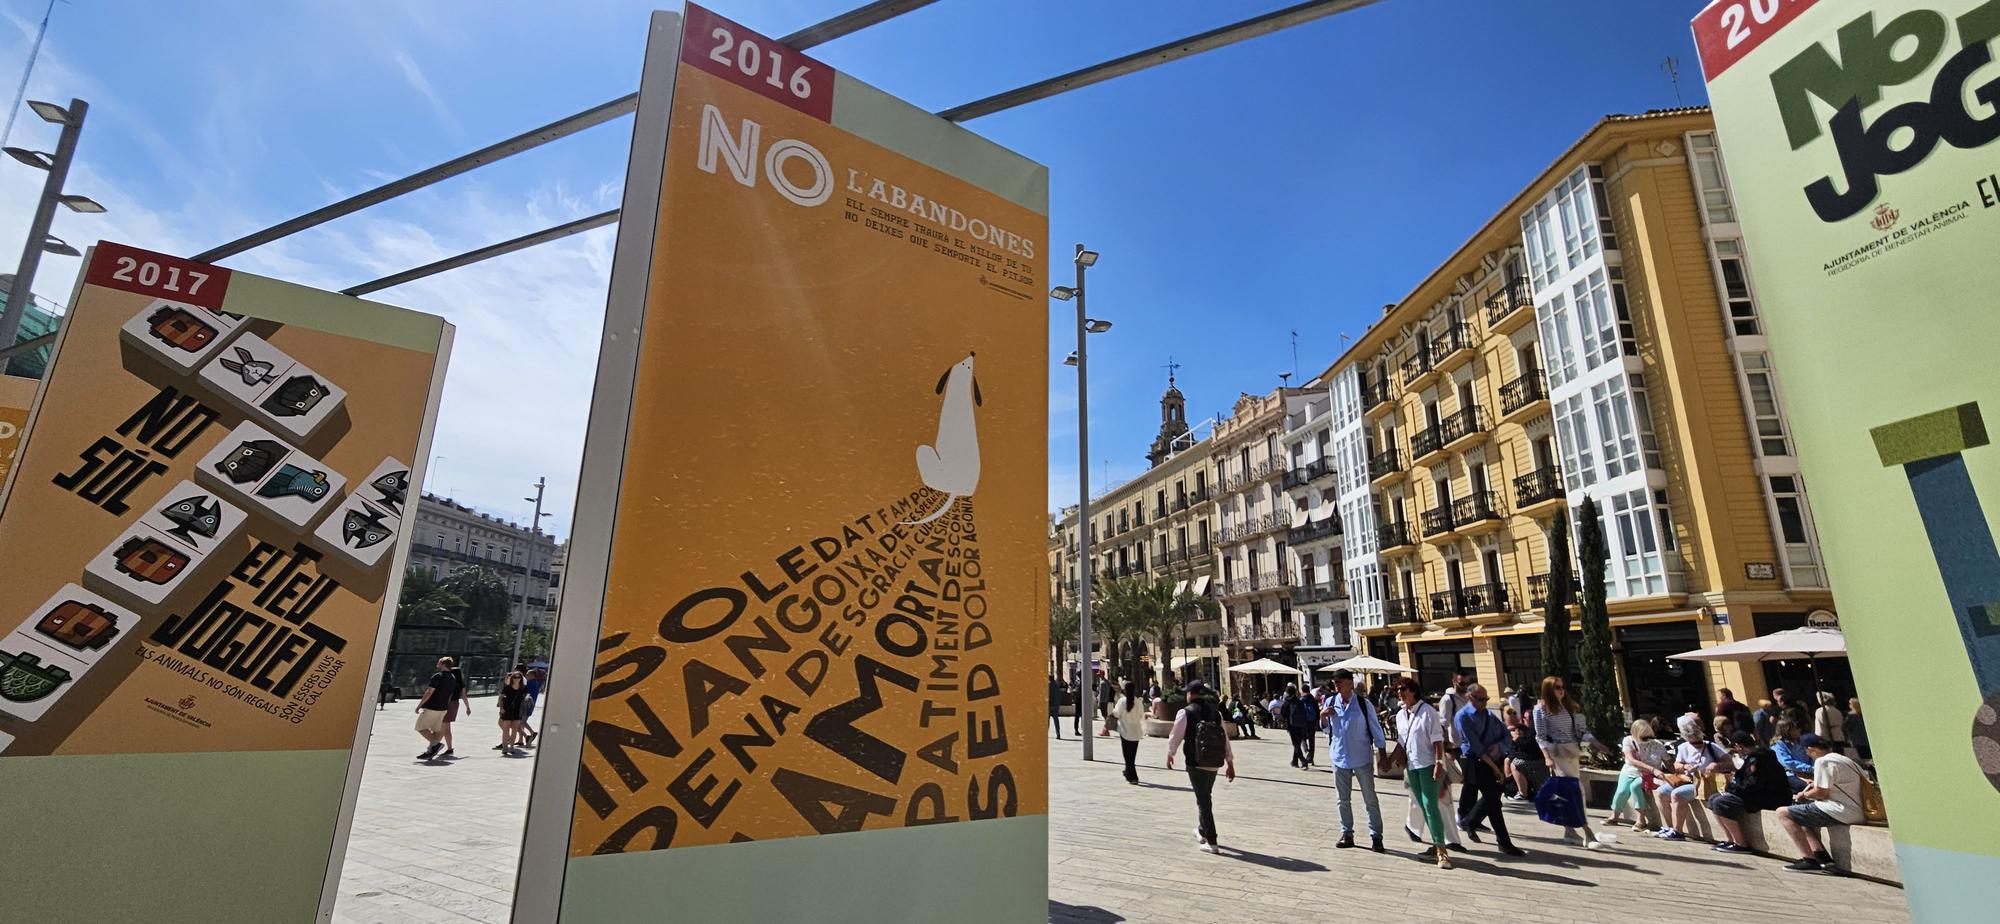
x,y
438,843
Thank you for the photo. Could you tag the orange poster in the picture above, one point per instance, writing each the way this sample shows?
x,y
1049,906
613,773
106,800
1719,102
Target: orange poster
x,y
823,609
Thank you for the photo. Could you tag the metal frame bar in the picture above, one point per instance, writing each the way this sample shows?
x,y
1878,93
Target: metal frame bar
x,y
1152,57
470,257
27,346
850,22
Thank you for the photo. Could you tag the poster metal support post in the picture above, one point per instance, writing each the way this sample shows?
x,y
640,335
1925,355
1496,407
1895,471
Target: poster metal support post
x,y
22,289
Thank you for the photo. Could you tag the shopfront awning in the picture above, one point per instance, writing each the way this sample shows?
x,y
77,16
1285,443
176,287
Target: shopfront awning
x,y
1201,586
1180,587
1183,662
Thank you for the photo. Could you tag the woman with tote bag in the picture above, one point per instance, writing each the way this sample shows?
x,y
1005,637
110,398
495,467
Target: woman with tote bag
x,y
1562,734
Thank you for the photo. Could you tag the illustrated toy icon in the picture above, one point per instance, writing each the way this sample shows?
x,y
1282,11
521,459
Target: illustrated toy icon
x,y
251,461
82,626
392,491
253,370
149,560
293,481
1930,449
364,528
179,328
296,398
23,679
194,516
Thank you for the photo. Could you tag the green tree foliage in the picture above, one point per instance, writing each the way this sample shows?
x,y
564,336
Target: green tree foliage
x,y
1062,631
1118,615
1600,679
488,608
1555,611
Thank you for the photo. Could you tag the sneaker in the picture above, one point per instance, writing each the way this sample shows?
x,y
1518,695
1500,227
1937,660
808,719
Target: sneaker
x,y
1375,844
1346,841
430,752
1607,838
1803,865
1665,833
1512,851
1727,847
499,747
1515,797
1594,845
1209,848
1672,835
448,752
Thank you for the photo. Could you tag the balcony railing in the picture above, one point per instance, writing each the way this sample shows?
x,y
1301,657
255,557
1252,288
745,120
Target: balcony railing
x,y
1416,366
1437,521
1321,592
1236,587
1444,605
1538,590
1383,463
1400,611
1314,529
1542,484
1512,297
1462,423
1391,535
1426,441
1180,503
1200,494
1477,506
1521,392
1295,478
1160,511
1266,468
1482,599
1456,337
1374,394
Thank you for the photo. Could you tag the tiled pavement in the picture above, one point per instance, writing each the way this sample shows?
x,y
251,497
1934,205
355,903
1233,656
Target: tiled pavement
x,y
439,844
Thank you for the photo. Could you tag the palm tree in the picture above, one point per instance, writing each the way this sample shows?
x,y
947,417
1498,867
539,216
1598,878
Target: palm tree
x,y
1062,631
1159,610
1118,616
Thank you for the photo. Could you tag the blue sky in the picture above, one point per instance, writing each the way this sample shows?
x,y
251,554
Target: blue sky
x,y
1295,182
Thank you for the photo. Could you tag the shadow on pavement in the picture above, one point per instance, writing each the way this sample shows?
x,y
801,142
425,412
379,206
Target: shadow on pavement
x,y
1515,872
1285,864
1060,913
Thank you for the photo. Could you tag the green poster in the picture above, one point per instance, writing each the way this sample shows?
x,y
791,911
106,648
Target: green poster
x,y
1863,144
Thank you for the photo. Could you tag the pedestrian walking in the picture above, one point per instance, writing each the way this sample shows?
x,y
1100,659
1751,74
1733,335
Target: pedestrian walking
x,y
1484,746
1561,734
537,680
1357,737
1301,717
513,694
1056,697
1422,738
438,696
1130,716
1199,737
1105,694
451,711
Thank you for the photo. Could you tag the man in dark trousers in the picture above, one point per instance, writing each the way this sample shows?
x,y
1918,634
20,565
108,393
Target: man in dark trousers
x,y
438,697
1056,696
1485,746
1199,739
1105,694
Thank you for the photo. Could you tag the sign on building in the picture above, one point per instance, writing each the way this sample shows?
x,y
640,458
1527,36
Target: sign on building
x,y
805,604
201,540
1864,146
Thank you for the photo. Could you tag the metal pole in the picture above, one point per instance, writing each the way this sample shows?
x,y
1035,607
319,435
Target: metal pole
x,y
521,621
22,290
1089,680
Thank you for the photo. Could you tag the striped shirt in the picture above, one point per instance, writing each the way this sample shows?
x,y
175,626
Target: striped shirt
x,y
1560,727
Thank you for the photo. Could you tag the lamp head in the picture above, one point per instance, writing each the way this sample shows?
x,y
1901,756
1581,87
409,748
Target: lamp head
x,y
35,159
1070,360
1061,293
59,247
1086,258
77,203
1096,326
50,112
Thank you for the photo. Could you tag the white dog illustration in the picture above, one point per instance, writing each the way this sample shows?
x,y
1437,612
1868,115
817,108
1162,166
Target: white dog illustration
x,y
951,465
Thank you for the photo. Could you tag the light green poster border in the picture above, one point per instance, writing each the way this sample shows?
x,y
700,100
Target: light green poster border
x,y
1909,331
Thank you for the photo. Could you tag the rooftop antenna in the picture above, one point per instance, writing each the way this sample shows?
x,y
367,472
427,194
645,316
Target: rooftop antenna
x,y
1673,71
21,92
1295,354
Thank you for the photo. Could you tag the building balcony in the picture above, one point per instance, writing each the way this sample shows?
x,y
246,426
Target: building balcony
x,y
1159,511
1417,370
1524,397
1384,467
1538,590
1437,522
1236,587
1376,397
1426,443
1236,481
1314,531
1445,607
1199,495
1304,594
1180,504
1476,513
1485,602
1271,580
1266,469
1393,536
1321,470
1401,612
1453,348
1308,473
1466,426
1538,491
1503,309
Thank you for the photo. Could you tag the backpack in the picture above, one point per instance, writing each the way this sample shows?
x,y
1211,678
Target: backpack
x,y
1210,743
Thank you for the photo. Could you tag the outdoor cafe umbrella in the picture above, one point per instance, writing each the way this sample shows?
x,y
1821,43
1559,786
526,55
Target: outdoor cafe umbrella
x,y
1365,664
1810,643
1263,666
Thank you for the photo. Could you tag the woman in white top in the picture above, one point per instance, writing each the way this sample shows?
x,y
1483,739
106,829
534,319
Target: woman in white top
x,y
1130,714
1830,723
1421,734
1561,733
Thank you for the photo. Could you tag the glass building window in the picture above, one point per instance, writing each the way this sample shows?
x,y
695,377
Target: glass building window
x,y
1615,431
1709,178
1573,433
1642,414
1556,341
1597,318
1795,531
1602,205
1736,300
1764,415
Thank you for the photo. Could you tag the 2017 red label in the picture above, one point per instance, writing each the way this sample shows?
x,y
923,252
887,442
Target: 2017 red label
x,y
117,266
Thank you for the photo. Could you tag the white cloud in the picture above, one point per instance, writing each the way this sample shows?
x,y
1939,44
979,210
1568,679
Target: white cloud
x,y
414,75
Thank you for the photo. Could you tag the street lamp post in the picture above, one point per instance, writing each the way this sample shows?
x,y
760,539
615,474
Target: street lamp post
x,y
1081,360
521,623
57,166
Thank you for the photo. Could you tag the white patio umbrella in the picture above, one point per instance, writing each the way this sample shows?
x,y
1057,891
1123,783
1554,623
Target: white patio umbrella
x,y
1364,664
1262,666
1810,643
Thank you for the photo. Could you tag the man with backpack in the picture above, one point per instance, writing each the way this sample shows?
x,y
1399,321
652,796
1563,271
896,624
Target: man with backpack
x,y
1302,718
1199,737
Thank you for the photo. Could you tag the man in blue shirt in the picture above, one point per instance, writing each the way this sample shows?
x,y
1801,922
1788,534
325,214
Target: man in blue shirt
x,y
1357,734
1484,746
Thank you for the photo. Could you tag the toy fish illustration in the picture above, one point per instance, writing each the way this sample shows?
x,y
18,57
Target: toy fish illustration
x,y
296,398
364,528
193,516
293,481
251,461
394,489
253,370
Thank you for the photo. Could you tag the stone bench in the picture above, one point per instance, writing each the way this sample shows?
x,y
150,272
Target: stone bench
x,y
1864,850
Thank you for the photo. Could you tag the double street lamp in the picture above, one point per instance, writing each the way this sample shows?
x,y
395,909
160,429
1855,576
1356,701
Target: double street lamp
x,y
1081,360
39,239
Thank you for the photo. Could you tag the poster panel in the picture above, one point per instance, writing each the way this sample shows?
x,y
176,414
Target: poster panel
x,y
17,395
1864,152
818,646
195,580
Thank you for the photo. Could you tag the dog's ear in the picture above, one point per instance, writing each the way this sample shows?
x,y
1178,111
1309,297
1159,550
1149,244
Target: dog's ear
x,y
977,401
943,379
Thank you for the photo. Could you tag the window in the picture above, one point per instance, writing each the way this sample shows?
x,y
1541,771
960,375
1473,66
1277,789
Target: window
x,y
1643,413
1538,237
1556,341
1605,228
1573,433
1637,543
1614,427
1736,300
1764,415
1709,178
1597,320
1628,336
1802,568
1664,514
